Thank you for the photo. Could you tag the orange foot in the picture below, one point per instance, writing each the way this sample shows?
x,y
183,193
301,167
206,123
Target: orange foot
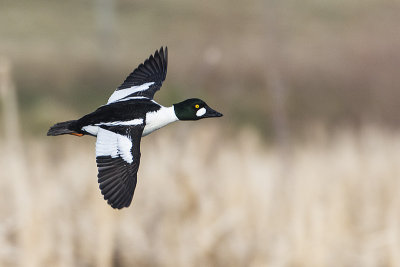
x,y
77,134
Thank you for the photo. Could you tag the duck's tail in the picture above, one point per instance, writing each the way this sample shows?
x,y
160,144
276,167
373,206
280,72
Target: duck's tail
x,y
62,128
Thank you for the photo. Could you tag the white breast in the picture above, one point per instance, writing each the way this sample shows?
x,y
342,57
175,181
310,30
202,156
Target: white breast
x,y
157,119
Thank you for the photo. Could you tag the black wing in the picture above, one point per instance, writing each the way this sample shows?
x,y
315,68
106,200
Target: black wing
x,y
118,159
146,79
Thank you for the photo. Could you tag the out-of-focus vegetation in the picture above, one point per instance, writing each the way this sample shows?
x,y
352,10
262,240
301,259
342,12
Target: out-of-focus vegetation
x,y
205,200
321,76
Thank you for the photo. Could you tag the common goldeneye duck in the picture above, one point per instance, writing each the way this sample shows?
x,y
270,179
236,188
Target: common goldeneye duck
x,y
129,114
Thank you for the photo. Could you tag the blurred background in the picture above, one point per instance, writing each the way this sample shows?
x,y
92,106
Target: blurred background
x,y
302,170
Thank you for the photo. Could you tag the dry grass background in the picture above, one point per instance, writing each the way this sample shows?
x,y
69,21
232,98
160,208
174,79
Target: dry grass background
x,y
303,169
206,200
205,197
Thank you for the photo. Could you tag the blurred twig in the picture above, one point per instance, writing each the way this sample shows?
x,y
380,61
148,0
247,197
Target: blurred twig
x,y
105,22
9,103
17,171
275,82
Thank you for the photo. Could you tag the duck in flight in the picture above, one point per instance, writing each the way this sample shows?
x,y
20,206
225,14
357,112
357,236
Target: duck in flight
x,y
119,125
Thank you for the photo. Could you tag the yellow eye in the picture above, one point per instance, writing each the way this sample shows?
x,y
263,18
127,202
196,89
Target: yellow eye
x,y
197,106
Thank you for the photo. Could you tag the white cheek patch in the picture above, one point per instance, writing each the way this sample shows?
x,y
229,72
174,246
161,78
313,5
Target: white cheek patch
x,y
201,112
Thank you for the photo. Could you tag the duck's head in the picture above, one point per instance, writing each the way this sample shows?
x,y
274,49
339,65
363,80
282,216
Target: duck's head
x,y
194,109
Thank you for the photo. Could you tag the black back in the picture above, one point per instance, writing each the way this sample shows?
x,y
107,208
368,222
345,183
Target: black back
x,y
118,111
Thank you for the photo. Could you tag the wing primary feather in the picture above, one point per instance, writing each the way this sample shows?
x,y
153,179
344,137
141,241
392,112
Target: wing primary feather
x,y
106,185
116,194
120,200
117,178
153,69
112,192
147,65
143,68
166,60
158,61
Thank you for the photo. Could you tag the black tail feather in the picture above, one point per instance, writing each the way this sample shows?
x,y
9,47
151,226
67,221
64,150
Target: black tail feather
x,y
61,128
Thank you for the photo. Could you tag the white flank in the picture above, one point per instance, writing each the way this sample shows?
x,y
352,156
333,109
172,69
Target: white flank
x,y
119,94
157,119
201,112
114,145
124,123
91,129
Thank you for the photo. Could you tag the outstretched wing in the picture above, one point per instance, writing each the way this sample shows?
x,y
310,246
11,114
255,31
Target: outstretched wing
x,y
145,80
118,158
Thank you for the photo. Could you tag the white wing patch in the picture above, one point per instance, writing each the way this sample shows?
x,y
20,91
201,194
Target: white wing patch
x,y
106,143
94,129
121,123
114,145
124,148
131,98
120,94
